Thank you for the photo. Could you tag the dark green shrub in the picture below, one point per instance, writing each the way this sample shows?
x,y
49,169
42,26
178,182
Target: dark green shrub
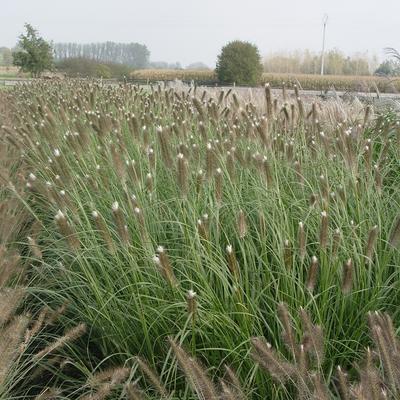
x,y
103,71
239,63
83,67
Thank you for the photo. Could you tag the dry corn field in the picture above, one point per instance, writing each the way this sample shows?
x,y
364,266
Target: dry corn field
x,y
187,244
367,84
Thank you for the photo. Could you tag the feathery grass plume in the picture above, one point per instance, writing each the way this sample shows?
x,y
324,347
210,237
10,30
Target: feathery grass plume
x,y
10,265
371,242
235,101
10,340
162,260
199,107
312,200
211,161
206,222
367,114
378,179
69,336
284,92
302,241
134,126
133,171
119,221
262,129
296,91
218,185
153,378
388,349
199,180
10,300
312,275
321,391
369,377
133,392
145,136
313,338
149,183
323,232
118,162
368,156
342,193
102,393
242,224
394,238
200,383
268,99
347,276
34,247
230,165
314,116
112,375
287,254
152,158
102,227
288,334
66,230
232,262
62,166
49,394
268,359
38,324
325,142
162,135
300,107
302,377
227,393
336,242
53,315
343,384
232,382
203,131
324,187
202,230
268,172
183,175
191,303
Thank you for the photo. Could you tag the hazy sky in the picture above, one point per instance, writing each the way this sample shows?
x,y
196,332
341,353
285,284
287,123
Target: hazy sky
x,y
189,31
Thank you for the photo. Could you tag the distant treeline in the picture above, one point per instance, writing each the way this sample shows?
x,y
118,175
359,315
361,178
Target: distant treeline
x,y
307,62
134,55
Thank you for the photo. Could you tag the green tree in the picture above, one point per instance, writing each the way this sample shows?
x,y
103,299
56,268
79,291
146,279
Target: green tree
x,y
240,63
33,53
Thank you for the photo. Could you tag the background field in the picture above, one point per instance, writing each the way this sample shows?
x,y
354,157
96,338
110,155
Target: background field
x,y
309,82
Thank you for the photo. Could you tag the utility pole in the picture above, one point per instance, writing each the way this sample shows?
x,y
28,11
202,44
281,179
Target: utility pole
x,y
325,21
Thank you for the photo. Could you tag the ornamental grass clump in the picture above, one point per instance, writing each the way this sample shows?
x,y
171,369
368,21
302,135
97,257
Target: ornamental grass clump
x,y
275,212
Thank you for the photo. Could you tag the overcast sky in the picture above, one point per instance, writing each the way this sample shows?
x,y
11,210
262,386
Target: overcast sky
x,y
195,30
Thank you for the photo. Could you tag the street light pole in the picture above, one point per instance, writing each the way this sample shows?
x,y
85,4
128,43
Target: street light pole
x,y
325,21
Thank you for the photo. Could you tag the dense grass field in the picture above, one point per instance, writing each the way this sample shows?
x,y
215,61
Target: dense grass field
x,y
307,82
173,243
